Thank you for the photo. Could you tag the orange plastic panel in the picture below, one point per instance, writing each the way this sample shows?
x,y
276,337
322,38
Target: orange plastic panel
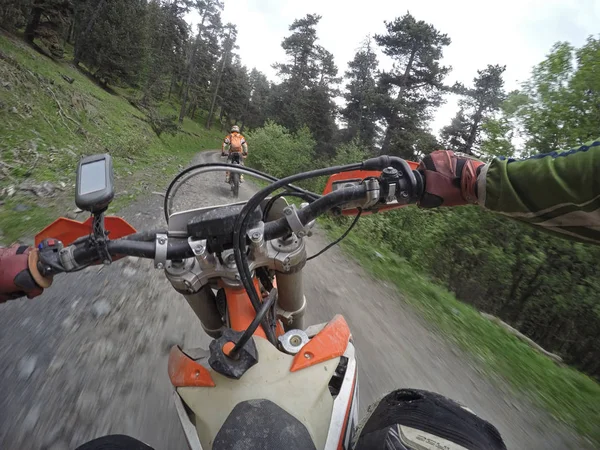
x,y
242,313
329,343
185,372
67,230
361,175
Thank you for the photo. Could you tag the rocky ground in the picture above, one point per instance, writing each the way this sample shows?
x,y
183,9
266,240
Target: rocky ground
x,y
89,357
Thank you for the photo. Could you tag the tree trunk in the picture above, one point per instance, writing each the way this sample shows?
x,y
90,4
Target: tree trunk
x,y
33,23
473,131
188,81
193,111
385,147
519,306
172,85
216,93
88,28
191,67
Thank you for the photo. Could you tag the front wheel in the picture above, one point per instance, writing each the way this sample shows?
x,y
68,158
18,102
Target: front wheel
x,y
235,184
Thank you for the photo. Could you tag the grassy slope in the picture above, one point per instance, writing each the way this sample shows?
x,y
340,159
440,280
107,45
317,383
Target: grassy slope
x,y
567,394
38,142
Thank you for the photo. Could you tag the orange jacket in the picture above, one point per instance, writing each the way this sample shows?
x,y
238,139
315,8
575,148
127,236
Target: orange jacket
x,y
227,141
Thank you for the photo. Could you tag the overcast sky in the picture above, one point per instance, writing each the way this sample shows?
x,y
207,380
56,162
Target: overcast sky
x,y
516,33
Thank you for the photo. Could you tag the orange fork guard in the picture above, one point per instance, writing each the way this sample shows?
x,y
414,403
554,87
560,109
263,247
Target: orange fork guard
x,y
361,175
241,312
67,230
328,343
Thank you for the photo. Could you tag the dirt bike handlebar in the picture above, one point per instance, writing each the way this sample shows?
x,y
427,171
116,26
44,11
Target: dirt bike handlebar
x,y
143,244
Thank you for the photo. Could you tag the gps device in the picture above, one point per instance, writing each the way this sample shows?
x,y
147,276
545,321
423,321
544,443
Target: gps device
x,y
94,188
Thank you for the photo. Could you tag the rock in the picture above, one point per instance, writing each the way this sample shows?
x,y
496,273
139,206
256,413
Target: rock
x,y
6,85
27,366
45,189
14,110
100,309
20,207
55,366
129,271
379,255
103,349
8,192
78,210
87,406
31,419
59,445
69,324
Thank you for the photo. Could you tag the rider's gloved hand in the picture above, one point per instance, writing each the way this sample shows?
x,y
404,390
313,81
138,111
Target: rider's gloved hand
x,y
450,179
18,273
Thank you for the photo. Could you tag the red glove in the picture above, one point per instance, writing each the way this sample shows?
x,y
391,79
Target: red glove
x,y
19,275
450,180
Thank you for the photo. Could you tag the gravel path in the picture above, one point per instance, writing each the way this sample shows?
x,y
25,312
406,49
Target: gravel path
x,y
89,357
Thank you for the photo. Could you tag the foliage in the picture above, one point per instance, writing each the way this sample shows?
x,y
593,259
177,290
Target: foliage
x,y
305,97
279,152
416,82
110,36
39,143
362,96
480,103
569,395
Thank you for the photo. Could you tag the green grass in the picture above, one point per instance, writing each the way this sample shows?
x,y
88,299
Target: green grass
x,y
567,394
48,124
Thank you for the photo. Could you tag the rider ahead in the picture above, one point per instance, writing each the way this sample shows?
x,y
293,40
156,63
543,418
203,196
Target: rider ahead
x,y
234,142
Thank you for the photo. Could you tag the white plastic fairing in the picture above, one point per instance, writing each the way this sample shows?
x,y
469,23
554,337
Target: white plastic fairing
x,y
344,416
188,427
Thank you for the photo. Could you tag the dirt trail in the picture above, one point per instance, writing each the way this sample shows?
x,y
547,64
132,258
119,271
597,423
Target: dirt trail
x,y
89,357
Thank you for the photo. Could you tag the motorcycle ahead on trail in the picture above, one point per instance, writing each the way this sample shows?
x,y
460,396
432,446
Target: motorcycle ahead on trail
x,y
235,177
266,380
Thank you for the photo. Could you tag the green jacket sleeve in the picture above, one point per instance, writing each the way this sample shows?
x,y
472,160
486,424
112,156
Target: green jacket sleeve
x,y
558,192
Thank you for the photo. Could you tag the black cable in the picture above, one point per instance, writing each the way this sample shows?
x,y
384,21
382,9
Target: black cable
x,y
338,240
241,225
264,309
280,227
226,166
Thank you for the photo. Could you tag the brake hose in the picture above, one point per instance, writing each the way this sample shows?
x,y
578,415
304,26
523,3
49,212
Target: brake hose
x,y
239,232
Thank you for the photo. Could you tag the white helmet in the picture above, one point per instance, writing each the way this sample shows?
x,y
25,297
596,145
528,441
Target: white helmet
x,y
235,129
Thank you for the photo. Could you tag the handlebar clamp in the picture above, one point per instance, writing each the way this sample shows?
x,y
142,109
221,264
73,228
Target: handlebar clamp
x,y
293,220
160,257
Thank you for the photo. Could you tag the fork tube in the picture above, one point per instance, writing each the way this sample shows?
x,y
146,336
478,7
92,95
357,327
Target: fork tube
x,y
291,299
204,304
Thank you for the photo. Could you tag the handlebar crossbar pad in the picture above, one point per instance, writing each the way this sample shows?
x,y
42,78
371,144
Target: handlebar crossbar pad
x,y
216,226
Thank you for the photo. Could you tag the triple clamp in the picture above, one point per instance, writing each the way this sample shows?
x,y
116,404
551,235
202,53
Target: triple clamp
x,y
160,254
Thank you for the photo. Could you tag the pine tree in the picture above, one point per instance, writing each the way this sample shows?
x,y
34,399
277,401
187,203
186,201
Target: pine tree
x,y
305,97
417,79
361,96
110,38
478,105
259,98
168,33
201,51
